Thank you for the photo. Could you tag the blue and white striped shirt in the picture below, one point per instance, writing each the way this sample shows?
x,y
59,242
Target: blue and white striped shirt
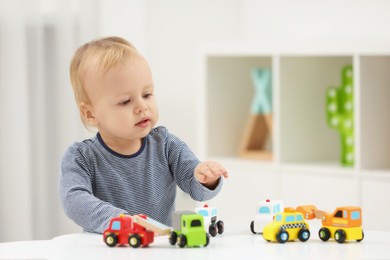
x,y
97,184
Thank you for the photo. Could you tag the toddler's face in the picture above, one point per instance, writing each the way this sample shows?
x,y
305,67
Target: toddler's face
x,y
123,101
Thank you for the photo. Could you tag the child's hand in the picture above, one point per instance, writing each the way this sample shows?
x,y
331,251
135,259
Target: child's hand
x,y
209,172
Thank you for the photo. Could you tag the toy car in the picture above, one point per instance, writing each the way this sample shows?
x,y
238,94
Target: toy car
x,y
211,224
265,212
287,226
123,230
345,223
188,230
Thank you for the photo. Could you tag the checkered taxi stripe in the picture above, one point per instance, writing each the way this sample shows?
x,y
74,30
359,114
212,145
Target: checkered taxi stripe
x,y
294,225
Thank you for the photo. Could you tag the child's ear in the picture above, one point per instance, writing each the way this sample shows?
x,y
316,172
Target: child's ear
x,y
87,114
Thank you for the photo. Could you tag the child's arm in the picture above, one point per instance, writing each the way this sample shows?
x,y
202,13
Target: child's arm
x,y
76,194
209,172
201,180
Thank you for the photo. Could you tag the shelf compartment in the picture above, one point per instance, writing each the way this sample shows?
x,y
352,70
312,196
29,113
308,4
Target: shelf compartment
x,y
375,104
304,134
230,92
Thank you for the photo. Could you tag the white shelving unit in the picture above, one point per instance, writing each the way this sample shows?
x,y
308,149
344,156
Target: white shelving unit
x,y
306,152
375,106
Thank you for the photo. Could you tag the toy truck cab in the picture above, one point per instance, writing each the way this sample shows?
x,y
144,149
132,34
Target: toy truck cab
x,y
345,223
265,212
188,230
122,230
211,224
287,226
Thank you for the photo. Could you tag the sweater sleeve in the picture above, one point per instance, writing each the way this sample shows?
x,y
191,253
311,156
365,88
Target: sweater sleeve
x,y
182,163
76,194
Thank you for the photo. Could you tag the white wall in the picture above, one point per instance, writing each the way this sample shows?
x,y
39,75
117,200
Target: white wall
x,y
303,23
38,116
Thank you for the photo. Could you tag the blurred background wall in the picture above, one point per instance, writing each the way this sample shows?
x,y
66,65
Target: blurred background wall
x,y
38,116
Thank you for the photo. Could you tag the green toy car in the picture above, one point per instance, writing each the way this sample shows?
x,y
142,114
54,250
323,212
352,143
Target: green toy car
x,y
188,230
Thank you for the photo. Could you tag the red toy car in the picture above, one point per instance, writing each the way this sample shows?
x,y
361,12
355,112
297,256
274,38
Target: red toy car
x,y
123,230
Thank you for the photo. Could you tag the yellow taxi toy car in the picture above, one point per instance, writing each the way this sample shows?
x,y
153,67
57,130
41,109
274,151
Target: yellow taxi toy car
x,y
287,226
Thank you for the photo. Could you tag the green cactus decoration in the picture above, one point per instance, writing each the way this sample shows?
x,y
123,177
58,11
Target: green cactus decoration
x,y
340,114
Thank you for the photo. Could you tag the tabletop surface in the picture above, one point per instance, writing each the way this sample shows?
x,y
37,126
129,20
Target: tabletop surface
x,y
236,242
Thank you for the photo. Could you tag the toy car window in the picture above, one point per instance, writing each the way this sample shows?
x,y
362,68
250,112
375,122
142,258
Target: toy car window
x,y
339,214
203,212
116,225
299,218
277,208
214,213
196,223
290,218
355,215
264,210
278,217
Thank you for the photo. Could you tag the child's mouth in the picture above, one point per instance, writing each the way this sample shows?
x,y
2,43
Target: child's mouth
x,y
143,123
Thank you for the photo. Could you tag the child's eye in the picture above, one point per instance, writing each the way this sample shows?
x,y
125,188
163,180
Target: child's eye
x,y
148,95
123,103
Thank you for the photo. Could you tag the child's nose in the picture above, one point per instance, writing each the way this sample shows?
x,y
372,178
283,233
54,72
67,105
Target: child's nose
x,y
141,106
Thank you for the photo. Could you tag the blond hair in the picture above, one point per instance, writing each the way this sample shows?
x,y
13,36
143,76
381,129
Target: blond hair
x,y
102,54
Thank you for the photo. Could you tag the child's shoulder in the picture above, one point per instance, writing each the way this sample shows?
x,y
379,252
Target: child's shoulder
x,y
82,147
159,131
161,135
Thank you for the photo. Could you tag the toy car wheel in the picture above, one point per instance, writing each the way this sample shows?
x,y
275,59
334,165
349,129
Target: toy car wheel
x,y
253,227
213,229
304,234
111,240
358,240
324,234
340,236
207,240
172,238
182,241
134,240
282,236
220,226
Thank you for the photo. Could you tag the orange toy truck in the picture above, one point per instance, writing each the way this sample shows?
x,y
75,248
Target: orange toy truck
x,y
345,223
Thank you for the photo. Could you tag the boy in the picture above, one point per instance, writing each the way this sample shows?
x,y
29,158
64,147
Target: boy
x,y
129,167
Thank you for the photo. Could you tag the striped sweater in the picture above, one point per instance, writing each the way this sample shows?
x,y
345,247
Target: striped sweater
x,y
97,184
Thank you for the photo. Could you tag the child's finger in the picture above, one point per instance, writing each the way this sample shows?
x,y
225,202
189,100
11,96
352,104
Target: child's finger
x,y
223,171
218,171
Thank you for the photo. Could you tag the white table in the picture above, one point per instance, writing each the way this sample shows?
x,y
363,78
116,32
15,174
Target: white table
x,y
236,243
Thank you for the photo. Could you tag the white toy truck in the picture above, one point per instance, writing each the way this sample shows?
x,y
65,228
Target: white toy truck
x,y
211,224
265,212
